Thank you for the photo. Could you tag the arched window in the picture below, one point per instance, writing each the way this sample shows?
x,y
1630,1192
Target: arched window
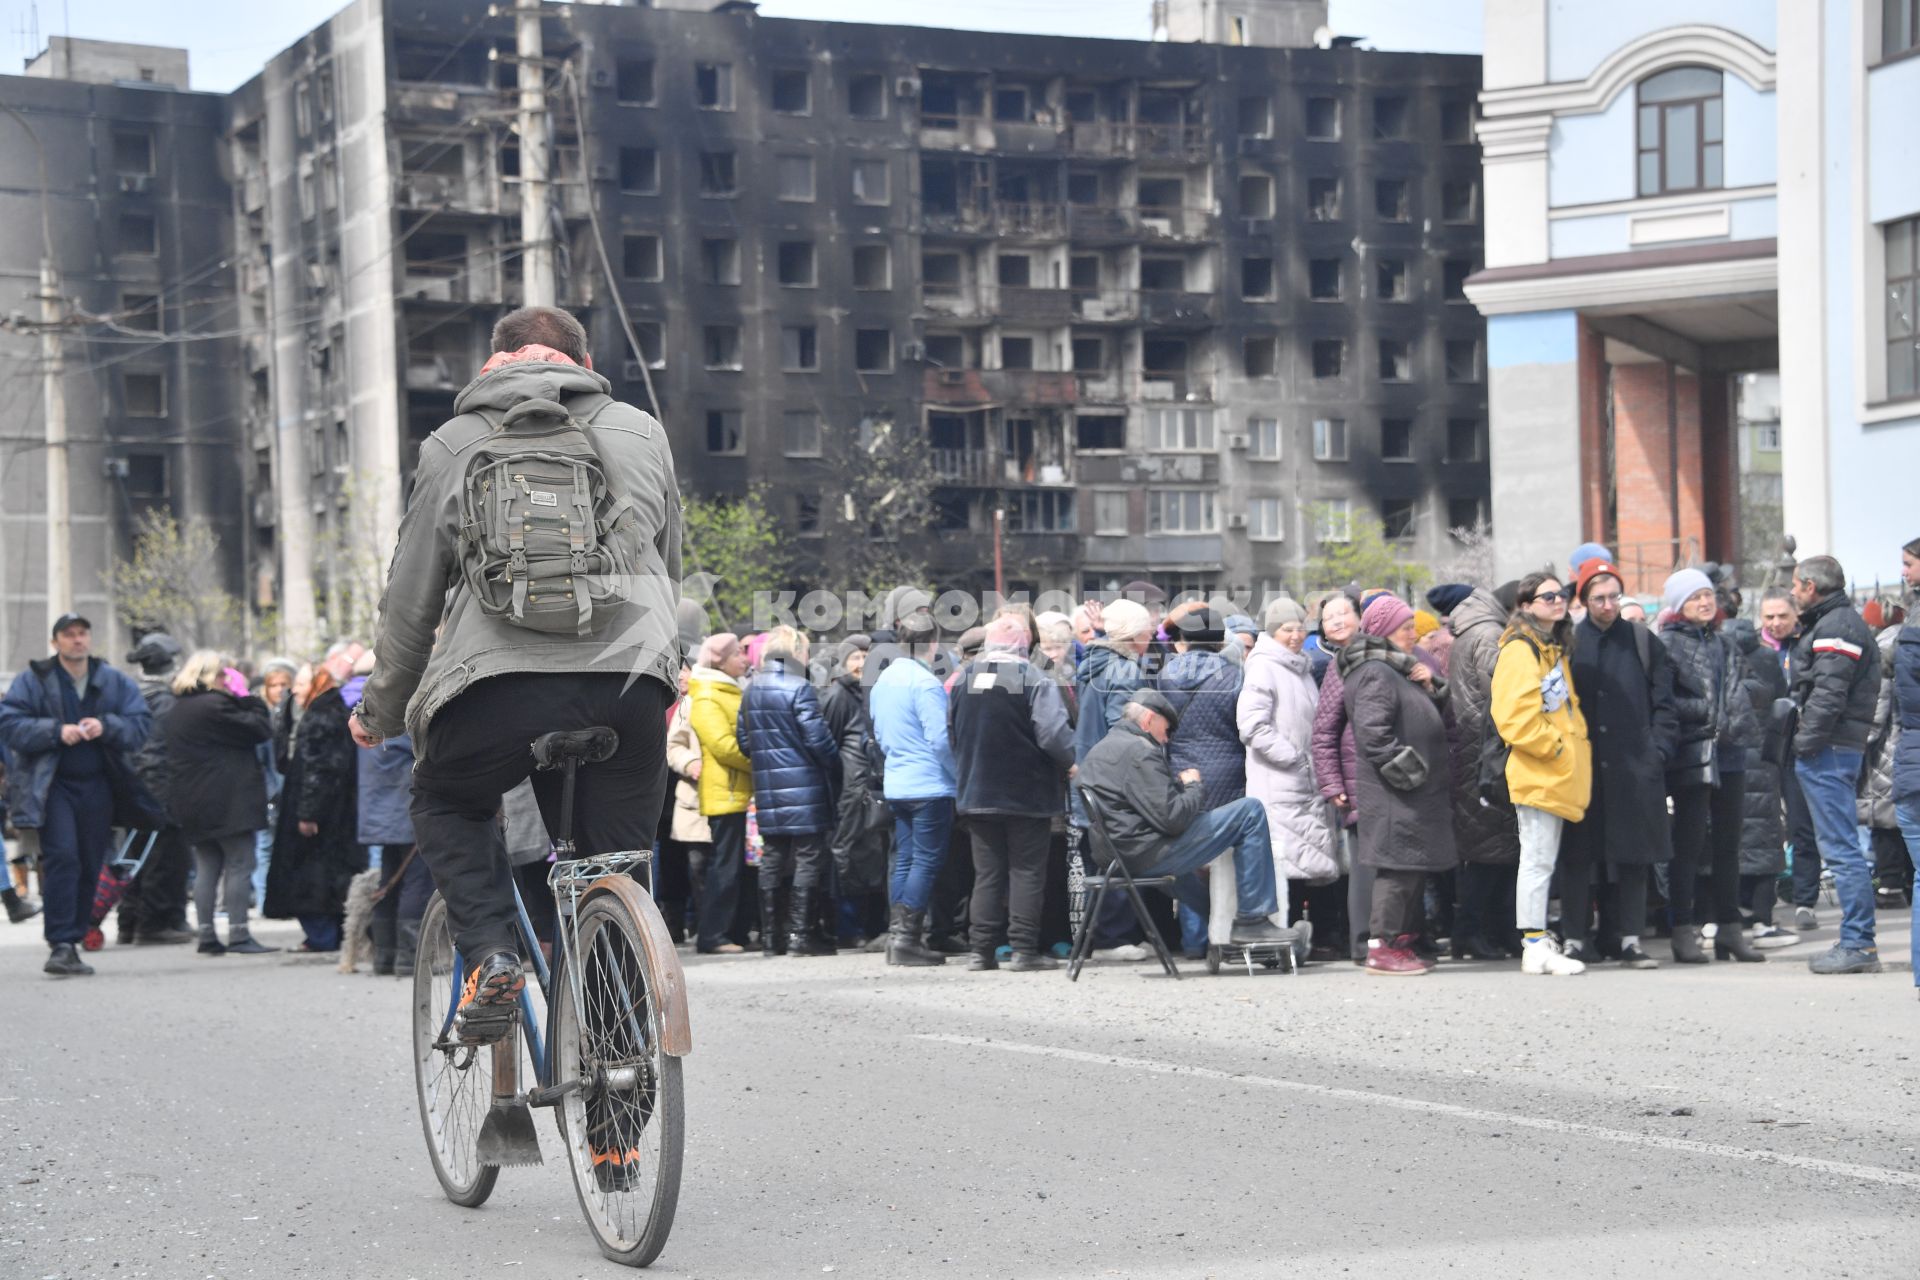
x,y
1680,138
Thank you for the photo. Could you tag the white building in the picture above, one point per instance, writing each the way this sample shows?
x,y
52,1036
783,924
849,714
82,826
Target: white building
x,y
1680,192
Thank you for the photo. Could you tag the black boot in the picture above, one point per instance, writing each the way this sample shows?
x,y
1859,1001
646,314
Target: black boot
x,y
384,933
773,919
1686,945
65,962
19,909
1730,942
406,946
906,943
804,937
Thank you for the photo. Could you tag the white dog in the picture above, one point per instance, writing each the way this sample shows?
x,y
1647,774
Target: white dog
x,y
356,939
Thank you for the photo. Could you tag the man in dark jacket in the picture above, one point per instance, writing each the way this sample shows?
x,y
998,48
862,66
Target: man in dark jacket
x,y
70,723
1624,680
1159,824
154,909
794,760
1836,683
1780,621
1012,748
858,845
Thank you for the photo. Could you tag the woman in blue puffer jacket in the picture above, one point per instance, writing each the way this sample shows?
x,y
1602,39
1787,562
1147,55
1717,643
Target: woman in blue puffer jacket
x,y
796,768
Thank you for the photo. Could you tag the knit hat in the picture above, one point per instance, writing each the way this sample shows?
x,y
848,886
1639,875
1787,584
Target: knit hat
x,y
1874,614
1681,586
718,648
1125,620
1595,568
1284,610
1240,624
1508,594
1371,594
1424,623
1447,597
847,648
1587,551
1386,615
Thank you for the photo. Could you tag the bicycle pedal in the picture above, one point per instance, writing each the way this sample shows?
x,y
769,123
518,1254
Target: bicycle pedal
x,y
507,1136
485,1024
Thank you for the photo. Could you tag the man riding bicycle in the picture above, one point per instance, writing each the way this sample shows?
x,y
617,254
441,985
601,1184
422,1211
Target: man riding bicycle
x,y
532,590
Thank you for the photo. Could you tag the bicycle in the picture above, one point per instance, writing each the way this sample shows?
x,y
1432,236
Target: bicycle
x,y
606,1058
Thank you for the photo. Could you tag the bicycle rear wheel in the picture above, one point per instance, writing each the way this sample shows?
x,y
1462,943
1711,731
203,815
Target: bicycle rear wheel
x,y
454,1082
622,1127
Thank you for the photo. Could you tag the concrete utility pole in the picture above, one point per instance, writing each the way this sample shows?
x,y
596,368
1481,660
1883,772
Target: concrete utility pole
x,y
59,503
535,158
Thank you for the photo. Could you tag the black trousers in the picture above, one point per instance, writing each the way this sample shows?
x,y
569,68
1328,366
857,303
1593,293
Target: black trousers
x,y
1396,902
1806,843
1484,898
477,751
1585,874
157,898
798,859
1706,842
1009,880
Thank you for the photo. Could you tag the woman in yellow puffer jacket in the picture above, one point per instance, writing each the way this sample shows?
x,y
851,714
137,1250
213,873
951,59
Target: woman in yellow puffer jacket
x,y
1550,765
726,784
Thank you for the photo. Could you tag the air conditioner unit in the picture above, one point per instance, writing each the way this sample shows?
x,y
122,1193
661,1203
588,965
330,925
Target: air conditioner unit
x,y
601,78
1236,442
906,87
1236,521
913,352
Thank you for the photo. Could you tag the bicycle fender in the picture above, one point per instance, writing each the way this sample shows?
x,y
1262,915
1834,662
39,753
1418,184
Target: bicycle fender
x,y
676,1031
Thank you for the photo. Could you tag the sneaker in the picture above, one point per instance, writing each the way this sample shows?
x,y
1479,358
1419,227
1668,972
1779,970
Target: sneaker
x,y
1634,958
1032,962
490,1000
1804,919
1544,958
65,962
1770,937
20,910
211,947
1579,949
252,946
1262,932
982,962
1131,953
615,1168
1396,959
1844,959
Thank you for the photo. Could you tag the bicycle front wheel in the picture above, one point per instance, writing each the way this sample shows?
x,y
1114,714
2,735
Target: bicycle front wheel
x,y
622,1124
454,1081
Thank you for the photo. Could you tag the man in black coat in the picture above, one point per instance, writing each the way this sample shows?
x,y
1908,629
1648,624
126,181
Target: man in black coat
x,y
1012,748
154,909
1836,684
1625,683
1159,824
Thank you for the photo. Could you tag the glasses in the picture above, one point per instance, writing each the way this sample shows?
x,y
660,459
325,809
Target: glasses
x,y
1548,597
1597,598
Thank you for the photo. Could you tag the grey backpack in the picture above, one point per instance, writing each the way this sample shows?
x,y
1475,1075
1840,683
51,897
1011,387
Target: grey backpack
x,y
545,529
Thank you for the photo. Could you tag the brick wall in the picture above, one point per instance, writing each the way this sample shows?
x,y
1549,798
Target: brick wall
x,y
1645,485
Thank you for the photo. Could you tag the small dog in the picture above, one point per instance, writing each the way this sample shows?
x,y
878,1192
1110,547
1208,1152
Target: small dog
x,y
356,938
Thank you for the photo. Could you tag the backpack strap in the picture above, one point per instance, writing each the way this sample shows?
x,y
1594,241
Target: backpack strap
x,y
620,505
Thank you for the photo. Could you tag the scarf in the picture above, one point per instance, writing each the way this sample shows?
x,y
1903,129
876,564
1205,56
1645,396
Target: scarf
x,y
1366,648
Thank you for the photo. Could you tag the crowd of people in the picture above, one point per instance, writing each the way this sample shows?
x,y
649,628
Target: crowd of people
x,y
1535,771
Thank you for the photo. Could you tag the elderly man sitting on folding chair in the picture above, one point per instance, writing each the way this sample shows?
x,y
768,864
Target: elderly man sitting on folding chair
x,y
1159,826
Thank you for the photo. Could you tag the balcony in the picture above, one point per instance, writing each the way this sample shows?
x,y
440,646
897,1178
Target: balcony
x,y
1175,141
952,304
1160,222
962,466
1178,309
1166,385
1035,306
964,220
437,191
423,286
1097,138
960,388
1105,306
1103,386
1096,224
1042,220
442,372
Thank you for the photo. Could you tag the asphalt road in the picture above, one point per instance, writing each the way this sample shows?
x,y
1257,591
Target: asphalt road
x,y
179,1117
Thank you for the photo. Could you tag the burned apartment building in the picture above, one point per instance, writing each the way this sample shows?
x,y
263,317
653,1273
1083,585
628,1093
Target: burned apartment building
x,y
110,172
1179,310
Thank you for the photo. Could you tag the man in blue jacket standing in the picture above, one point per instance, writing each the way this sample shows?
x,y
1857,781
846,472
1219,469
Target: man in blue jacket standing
x,y
909,708
70,722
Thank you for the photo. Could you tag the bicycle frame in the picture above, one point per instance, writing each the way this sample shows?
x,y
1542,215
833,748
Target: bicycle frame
x,y
536,1034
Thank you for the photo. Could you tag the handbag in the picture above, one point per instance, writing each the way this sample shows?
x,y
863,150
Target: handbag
x,y
1695,764
1491,774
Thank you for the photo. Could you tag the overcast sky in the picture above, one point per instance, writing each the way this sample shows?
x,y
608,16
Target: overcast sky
x,y
230,39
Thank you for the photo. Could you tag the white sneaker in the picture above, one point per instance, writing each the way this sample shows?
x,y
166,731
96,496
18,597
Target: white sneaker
x,y
1543,957
1132,953
1771,937
1804,919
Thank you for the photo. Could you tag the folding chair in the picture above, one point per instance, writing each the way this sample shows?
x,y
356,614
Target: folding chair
x,y
1115,875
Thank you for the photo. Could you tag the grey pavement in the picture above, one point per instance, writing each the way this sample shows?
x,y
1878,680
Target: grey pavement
x,y
185,1117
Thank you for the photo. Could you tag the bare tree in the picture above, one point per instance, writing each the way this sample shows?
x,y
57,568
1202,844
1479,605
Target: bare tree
x,y
173,583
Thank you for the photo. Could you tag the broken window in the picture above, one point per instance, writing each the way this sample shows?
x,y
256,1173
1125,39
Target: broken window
x,y
795,264
1323,199
873,350
1260,356
1256,279
639,170
722,346
1323,119
1329,355
799,348
717,177
867,95
795,177
723,431
720,261
1396,360
640,257
633,81
713,86
872,266
792,93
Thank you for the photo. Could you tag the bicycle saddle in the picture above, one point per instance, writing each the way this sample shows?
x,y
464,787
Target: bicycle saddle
x,y
580,746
